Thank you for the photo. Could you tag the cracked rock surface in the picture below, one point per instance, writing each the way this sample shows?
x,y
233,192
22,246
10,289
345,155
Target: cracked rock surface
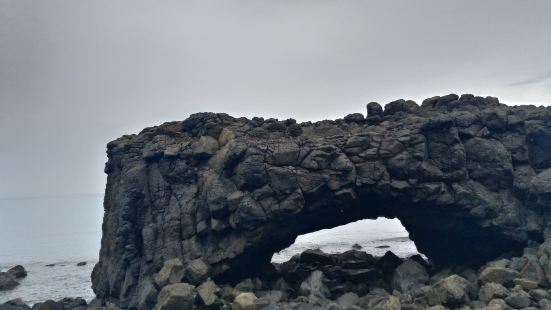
x,y
468,177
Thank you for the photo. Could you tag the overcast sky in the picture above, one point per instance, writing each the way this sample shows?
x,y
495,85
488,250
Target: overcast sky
x,y
77,74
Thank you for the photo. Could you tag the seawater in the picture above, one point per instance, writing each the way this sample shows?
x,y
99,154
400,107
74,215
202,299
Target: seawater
x,y
63,231
50,235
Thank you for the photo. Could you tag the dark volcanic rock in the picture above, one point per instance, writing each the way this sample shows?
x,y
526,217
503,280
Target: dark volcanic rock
x,y
7,281
18,271
15,304
355,117
178,296
222,194
450,291
316,257
373,108
540,187
539,149
73,303
48,305
63,304
388,262
409,276
314,286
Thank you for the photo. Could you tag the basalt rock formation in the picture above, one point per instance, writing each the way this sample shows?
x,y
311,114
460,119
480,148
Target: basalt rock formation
x,y
468,177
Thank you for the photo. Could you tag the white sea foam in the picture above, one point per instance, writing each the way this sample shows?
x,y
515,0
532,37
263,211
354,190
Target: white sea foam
x,y
64,279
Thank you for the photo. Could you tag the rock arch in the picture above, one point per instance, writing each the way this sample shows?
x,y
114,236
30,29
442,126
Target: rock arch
x,y
223,194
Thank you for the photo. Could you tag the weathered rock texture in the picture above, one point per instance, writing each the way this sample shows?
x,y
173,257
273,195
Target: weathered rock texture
x,y
466,176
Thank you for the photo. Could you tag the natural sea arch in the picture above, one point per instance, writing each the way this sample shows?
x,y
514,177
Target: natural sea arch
x,y
442,237
466,176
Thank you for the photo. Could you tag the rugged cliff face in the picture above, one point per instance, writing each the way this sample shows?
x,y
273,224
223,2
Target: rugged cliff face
x,y
469,178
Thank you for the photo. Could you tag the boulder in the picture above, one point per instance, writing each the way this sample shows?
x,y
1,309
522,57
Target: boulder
x,y
388,262
207,293
525,283
355,259
409,276
18,271
282,285
285,153
379,299
77,303
7,281
373,108
196,271
497,304
533,271
262,303
244,301
171,272
205,147
249,215
545,304
354,118
539,149
48,305
313,286
273,296
494,118
540,187
518,300
499,275
14,304
348,299
489,163
400,105
96,303
538,294
177,296
450,291
492,290
247,285
440,101
333,306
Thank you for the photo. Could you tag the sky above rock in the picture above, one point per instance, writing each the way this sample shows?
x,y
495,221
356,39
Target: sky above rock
x,y
77,74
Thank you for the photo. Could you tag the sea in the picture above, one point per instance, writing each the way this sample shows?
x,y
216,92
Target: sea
x,y
49,236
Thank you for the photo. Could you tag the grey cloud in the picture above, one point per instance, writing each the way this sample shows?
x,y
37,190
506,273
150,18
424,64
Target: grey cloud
x,y
536,80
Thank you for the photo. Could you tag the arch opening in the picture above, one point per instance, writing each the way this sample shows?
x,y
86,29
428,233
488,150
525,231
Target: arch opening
x,y
374,237
445,235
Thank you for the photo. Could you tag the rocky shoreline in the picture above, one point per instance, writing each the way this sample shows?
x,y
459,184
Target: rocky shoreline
x,y
356,280
352,280
195,209
10,279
